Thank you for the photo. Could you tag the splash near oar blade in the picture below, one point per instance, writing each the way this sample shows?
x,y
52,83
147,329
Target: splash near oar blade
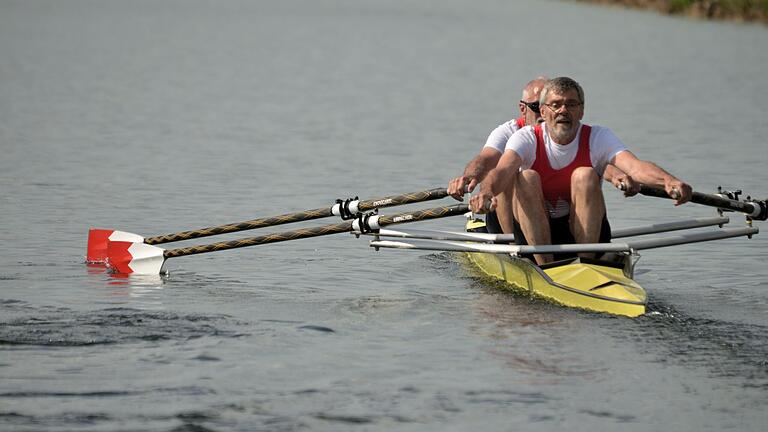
x,y
98,240
127,257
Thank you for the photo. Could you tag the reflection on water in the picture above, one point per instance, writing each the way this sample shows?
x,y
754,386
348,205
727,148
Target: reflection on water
x,y
139,291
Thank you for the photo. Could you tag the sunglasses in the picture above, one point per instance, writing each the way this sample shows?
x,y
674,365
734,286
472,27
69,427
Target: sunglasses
x,y
533,106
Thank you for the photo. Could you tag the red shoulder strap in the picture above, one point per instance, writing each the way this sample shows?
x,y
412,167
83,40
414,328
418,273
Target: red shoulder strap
x,y
583,155
542,161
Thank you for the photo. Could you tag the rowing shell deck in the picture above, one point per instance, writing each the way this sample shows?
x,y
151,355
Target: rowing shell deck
x,y
595,285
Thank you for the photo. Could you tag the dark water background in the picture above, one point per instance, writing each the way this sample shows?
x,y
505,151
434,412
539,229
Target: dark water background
x,y
155,117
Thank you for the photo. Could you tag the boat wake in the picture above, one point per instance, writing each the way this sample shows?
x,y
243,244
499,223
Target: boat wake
x,y
724,348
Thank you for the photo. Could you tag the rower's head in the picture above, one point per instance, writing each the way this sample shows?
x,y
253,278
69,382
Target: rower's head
x,y
529,103
562,107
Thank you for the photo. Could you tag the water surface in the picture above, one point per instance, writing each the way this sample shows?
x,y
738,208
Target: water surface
x,y
156,117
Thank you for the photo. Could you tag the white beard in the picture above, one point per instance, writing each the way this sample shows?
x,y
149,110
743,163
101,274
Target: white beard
x,y
562,134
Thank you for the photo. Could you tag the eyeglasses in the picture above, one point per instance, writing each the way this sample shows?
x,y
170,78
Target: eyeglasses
x,y
533,106
569,105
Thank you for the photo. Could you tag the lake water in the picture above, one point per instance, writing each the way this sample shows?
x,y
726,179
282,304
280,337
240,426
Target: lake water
x,y
155,117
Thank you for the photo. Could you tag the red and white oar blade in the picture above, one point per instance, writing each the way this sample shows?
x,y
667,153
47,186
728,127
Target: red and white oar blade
x,y
134,258
98,239
97,245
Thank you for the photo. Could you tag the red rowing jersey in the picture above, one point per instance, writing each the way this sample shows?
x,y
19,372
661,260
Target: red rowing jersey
x,y
556,184
520,122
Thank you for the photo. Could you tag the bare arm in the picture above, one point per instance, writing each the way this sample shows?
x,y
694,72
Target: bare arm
x,y
499,179
620,180
651,174
474,173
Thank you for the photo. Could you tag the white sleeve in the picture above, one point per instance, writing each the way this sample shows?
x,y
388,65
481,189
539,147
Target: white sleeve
x,y
604,146
523,142
498,138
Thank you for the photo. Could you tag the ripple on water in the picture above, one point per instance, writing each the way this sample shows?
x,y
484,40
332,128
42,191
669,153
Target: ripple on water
x,y
28,325
723,348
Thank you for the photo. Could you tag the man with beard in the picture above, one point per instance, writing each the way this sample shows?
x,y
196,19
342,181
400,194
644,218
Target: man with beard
x,y
501,219
552,172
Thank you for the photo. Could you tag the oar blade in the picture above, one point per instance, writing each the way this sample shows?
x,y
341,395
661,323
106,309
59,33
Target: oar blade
x,y
99,238
127,257
97,245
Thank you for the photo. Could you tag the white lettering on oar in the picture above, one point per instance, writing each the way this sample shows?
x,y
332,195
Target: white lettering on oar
x,y
402,218
383,202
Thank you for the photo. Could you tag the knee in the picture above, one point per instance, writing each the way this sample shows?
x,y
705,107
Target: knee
x,y
527,185
527,178
585,177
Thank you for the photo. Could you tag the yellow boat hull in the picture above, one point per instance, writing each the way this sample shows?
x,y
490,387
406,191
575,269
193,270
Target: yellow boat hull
x,y
594,286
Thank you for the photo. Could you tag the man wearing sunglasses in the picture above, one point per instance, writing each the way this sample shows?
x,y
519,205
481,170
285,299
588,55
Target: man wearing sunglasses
x,y
501,220
552,172
489,156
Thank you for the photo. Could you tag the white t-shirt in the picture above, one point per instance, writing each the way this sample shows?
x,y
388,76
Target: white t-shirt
x,y
603,146
498,138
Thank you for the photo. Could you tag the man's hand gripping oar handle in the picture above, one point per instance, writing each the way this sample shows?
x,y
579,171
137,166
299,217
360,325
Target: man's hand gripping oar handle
x,y
755,209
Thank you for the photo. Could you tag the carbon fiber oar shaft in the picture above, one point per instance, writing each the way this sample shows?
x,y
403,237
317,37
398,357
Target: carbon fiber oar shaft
x,y
345,208
756,209
364,223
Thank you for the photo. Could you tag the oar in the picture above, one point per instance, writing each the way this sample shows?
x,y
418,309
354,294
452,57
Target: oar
x,y
755,209
347,209
143,259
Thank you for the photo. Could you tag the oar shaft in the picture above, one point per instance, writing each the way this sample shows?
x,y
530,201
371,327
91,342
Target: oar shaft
x,y
755,209
348,206
241,226
407,198
348,226
263,239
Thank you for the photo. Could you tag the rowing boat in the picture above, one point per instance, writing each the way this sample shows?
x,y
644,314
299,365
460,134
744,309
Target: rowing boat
x,y
600,285
604,285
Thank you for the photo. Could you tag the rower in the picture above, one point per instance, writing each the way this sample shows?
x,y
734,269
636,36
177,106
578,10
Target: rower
x,y
552,172
501,219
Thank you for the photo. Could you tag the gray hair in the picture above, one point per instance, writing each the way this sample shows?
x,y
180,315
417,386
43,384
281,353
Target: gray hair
x,y
561,85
